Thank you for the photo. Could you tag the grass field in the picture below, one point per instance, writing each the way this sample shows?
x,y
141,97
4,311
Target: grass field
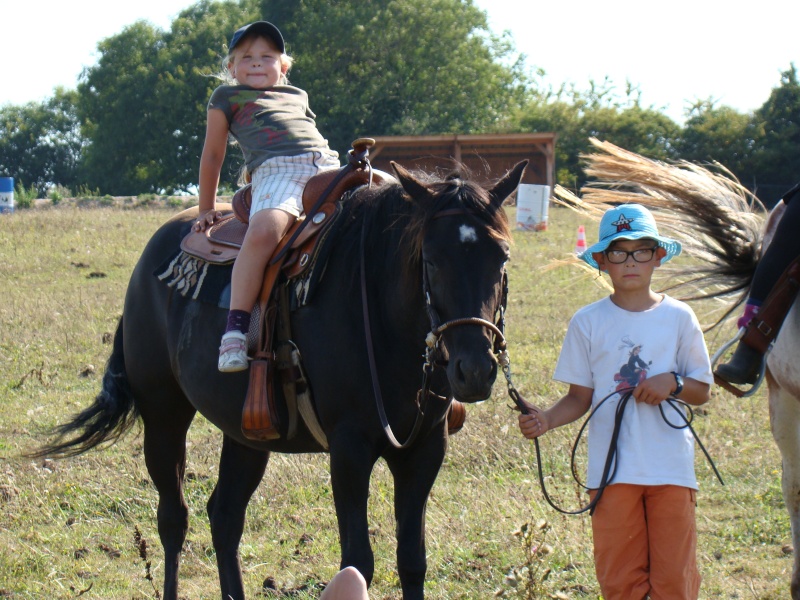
x,y
70,528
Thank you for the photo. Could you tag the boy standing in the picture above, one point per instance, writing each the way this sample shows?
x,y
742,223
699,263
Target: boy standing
x,y
644,524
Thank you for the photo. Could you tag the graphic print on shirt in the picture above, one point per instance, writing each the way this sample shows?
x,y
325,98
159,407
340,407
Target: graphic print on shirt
x,y
250,114
634,370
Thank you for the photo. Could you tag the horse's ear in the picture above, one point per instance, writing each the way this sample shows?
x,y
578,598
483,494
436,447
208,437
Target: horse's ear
x,y
506,186
413,188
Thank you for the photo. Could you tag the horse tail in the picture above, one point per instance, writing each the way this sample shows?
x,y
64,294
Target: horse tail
x,y
717,220
111,415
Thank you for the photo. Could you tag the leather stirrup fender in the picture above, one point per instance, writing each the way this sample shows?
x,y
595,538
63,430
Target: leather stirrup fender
x,y
259,406
764,327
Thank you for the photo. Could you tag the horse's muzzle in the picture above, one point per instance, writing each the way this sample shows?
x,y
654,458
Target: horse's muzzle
x,y
471,376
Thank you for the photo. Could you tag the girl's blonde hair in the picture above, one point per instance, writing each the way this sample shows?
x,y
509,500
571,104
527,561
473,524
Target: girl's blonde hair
x,y
225,74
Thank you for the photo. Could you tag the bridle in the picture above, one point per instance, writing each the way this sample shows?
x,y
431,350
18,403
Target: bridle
x,y
433,353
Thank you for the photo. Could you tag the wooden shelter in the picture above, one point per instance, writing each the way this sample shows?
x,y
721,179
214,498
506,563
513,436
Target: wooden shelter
x,y
487,156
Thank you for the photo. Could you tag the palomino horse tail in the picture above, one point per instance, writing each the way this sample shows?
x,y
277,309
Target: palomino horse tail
x,y
716,219
111,415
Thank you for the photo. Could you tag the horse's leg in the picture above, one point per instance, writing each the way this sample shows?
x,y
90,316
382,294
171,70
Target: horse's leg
x,y
784,413
352,460
240,471
414,472
165,425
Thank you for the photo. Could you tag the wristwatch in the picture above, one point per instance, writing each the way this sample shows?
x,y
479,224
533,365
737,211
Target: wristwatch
x,y
678,384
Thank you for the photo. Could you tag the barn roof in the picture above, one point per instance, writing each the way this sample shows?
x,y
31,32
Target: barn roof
x,y
487,156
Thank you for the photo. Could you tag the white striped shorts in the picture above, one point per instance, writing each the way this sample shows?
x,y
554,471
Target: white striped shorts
x,y
278,182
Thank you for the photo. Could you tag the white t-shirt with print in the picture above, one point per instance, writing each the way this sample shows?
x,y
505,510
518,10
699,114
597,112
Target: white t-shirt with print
x,y
607,347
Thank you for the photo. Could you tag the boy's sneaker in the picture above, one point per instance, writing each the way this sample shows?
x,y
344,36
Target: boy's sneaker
x,y
233,352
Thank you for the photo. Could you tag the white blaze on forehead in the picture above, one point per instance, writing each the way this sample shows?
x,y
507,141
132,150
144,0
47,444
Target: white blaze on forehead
x,y
467,234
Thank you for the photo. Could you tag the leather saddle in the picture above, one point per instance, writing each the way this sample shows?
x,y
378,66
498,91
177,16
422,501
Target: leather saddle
x,y
220,243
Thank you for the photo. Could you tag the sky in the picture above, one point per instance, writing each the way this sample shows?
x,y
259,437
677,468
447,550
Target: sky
x,y
675,52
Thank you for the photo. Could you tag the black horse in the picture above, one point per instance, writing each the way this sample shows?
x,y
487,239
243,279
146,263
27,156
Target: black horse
x,y
449,238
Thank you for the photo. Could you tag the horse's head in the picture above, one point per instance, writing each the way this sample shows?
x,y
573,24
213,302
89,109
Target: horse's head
x,y
463,245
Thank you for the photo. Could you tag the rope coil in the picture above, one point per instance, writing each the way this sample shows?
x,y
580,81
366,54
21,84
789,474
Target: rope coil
x,y
609,469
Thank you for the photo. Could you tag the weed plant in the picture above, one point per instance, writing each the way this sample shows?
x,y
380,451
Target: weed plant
x,y
87,526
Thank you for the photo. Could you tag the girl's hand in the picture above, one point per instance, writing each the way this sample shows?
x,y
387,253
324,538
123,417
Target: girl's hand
x,y
206,219
534,424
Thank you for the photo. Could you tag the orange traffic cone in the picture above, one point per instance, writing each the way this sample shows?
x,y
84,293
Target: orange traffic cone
x,y
580,245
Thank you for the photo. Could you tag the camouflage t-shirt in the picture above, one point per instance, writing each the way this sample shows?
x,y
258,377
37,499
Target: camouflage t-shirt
x,y
269,123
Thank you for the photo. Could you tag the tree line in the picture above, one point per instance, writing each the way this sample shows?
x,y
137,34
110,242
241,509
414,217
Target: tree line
x,y
136,121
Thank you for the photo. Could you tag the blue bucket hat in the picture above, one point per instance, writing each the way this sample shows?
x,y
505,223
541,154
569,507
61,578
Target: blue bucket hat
x,y
263,27
629,222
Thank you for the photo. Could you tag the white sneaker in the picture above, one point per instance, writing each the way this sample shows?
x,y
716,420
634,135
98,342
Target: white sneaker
x,y
233,352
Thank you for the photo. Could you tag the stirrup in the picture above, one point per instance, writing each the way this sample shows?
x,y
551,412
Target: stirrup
x,y
739,393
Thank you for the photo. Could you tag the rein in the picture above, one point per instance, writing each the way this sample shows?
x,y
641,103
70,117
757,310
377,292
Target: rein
x,y
432,351
610,467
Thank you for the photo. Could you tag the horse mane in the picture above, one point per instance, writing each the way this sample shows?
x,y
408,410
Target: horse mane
x,y
391,210
455,191
717,220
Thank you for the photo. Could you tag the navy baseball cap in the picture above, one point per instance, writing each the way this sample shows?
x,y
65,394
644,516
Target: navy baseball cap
x,y
263,27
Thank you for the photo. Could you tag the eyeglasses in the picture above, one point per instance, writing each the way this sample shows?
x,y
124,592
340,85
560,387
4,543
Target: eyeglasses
x,y
641,255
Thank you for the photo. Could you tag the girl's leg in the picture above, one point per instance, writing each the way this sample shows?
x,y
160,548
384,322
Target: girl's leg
x,y
619,529
673,542
277,201
266,229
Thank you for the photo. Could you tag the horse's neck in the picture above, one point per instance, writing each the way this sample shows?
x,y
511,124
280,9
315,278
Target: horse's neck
x,y
402,300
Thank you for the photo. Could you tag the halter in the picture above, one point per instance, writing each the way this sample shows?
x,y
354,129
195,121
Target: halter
x,y
432,351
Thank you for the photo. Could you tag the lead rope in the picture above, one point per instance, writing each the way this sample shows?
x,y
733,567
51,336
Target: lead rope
x,y
610,467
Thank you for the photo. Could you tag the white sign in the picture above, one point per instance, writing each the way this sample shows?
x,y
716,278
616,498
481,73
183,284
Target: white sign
x,y
533,202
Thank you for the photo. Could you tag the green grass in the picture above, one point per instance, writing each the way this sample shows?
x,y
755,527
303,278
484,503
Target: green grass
x,y
69,526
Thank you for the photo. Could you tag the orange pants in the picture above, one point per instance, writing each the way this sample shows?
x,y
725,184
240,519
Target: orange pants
x,y
645,542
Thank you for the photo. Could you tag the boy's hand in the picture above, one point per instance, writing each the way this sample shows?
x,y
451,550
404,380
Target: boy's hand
x,y
655,389
533,424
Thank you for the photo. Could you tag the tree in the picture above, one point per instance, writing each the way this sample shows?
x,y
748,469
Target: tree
x,y
40,143
119,114
776,159
641,130
548,114
402,67
719,134
143,105
576,115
